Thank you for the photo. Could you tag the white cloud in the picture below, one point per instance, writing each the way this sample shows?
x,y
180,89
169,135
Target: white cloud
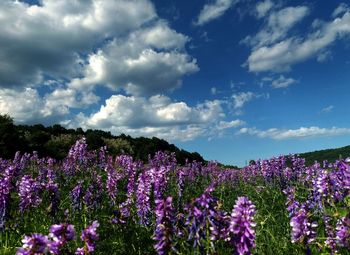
x,y
230,124
262,8
213,11
213,90
50,39
240,99
282,82
26,106
302,132
282,55
277,26
341,9
154,116
327,109
79,45
148,61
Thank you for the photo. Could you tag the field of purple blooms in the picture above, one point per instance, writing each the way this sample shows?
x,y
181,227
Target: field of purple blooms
x,y
92,203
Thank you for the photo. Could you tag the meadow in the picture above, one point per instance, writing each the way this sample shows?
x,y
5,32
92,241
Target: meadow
x,y
93,203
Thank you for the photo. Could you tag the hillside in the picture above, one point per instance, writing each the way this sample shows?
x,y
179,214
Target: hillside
x,y
328,154
55,141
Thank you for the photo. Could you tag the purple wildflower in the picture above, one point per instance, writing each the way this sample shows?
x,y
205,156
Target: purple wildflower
x,y
76,196
62,233
343,232
165,221
34,244
5,186
29,192
90,236
331,238
292,204
143,197
241,229
303,231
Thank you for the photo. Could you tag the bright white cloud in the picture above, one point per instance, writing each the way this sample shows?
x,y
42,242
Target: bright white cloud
x,y
154,116
213,11
282,55
148,61
302,132
26,106
120,44
282,82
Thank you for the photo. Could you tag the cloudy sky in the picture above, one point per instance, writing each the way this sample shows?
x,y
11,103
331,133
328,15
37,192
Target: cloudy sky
x,y
232,79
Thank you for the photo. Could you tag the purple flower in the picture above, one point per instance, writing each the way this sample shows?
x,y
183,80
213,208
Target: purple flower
x,y
76,196
165,221
331,238
111,184
29,192
292,204
90,236
5,186
303,231
34,244
241,231
343,232
143,193
62,233
204,214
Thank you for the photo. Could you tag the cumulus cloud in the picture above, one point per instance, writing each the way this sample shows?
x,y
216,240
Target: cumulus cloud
x,y
51,39
213,11
148,61
26,106
302,132
154,116
71,47
282,54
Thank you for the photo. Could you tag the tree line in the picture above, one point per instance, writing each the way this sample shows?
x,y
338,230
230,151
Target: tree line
x,y
56,140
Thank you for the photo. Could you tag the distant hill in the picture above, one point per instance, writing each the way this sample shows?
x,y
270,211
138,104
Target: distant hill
x,y
55,141
328,154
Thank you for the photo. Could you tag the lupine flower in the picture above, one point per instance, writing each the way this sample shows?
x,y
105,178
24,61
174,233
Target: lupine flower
x,y
165,221
292,204
76,196
143,197
241,229
204,213
343,232
28,192
52,188
62,233
111,184
90,236
331,238
34,244
5,185
303,231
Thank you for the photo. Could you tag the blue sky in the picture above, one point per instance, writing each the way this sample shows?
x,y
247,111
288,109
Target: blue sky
x,y
232,79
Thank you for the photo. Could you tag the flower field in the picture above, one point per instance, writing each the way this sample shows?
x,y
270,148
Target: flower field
x,y
93,203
